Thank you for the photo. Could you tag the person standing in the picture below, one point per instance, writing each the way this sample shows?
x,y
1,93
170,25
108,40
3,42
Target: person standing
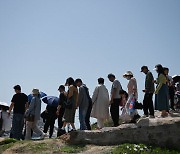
x,y
115,99
149,91
34,109
83,103
61,106
100,101
19,104
132,93
161,92
170,86
72,96
61,109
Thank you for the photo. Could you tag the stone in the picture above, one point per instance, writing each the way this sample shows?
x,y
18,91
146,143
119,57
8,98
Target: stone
x,y
163,132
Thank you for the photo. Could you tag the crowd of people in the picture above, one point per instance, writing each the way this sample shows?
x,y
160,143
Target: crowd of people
x,y
26,114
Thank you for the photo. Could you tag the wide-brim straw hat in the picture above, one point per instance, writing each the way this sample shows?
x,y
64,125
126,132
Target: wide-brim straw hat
x,y
35,91
128,73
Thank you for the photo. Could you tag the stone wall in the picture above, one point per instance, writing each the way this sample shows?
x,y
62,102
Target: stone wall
x,y
164,132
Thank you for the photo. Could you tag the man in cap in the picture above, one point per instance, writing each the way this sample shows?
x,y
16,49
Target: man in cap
x,y
19,104
149,90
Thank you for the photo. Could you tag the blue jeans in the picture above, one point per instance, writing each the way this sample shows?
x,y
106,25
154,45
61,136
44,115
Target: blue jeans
x,y
17,126
82,117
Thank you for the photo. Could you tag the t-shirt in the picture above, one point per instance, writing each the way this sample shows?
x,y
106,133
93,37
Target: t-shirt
x,y
62,98
19,101
116,85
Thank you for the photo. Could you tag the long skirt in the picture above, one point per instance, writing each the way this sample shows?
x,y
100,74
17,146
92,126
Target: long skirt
x,y
162,98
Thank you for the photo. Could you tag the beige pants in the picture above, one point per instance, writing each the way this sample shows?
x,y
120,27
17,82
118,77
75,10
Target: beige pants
x,y
32,126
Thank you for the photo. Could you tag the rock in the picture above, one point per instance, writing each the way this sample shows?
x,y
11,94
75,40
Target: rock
x,y
143,122
162,132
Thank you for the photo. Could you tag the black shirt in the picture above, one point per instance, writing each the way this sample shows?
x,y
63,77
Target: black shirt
x,y
51,111
19,101
62,99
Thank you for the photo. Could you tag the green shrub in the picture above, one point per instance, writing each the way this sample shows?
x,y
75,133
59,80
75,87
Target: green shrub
x,y
8,141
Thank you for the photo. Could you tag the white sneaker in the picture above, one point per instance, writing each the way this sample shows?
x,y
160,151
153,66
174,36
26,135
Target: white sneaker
x,y
45,135
42,136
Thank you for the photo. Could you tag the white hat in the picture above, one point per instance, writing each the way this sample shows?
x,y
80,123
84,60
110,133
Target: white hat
x,y
128,73
35,91
155,69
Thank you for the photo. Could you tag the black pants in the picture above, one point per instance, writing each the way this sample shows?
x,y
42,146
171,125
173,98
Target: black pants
x,y
115,111
171,97
87,119
60,117
148,104
50,121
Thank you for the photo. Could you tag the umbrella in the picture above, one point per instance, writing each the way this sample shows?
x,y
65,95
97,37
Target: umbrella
x,y
51,100
30,96
176,78
4,105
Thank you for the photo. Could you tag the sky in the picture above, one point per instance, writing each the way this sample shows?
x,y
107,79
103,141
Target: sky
x,y
43,42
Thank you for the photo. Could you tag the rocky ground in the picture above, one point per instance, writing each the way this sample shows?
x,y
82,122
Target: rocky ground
x,y
59,145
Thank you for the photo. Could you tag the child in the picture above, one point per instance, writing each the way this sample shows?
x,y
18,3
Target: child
x,y
125,116
124,97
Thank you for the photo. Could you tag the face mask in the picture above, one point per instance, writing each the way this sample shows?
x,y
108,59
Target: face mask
x,y
128,77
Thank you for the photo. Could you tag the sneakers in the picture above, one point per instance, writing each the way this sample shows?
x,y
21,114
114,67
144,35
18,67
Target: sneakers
x,y
144,116
151,116
72,130
61,132
41,137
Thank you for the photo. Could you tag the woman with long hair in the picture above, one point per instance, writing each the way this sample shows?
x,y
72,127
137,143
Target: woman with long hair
x,y
72,95
161,92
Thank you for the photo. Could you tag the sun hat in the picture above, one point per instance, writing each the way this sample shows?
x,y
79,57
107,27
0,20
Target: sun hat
x,y
128,73
35,91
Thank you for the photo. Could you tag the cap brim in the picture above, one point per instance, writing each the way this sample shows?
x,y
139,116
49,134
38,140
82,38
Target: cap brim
x,y
154,69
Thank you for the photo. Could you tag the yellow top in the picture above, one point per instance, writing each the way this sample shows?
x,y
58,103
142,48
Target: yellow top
x,y
160,81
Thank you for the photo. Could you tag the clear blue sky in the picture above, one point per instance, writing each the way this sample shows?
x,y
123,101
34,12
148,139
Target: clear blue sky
x,y
42,42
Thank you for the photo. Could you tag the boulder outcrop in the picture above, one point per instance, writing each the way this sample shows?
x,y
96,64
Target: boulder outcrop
x,y
164,132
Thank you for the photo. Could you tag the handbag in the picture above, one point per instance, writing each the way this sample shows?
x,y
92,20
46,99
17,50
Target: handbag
x,y
30,117
125,115
131,105
1,122
138,105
